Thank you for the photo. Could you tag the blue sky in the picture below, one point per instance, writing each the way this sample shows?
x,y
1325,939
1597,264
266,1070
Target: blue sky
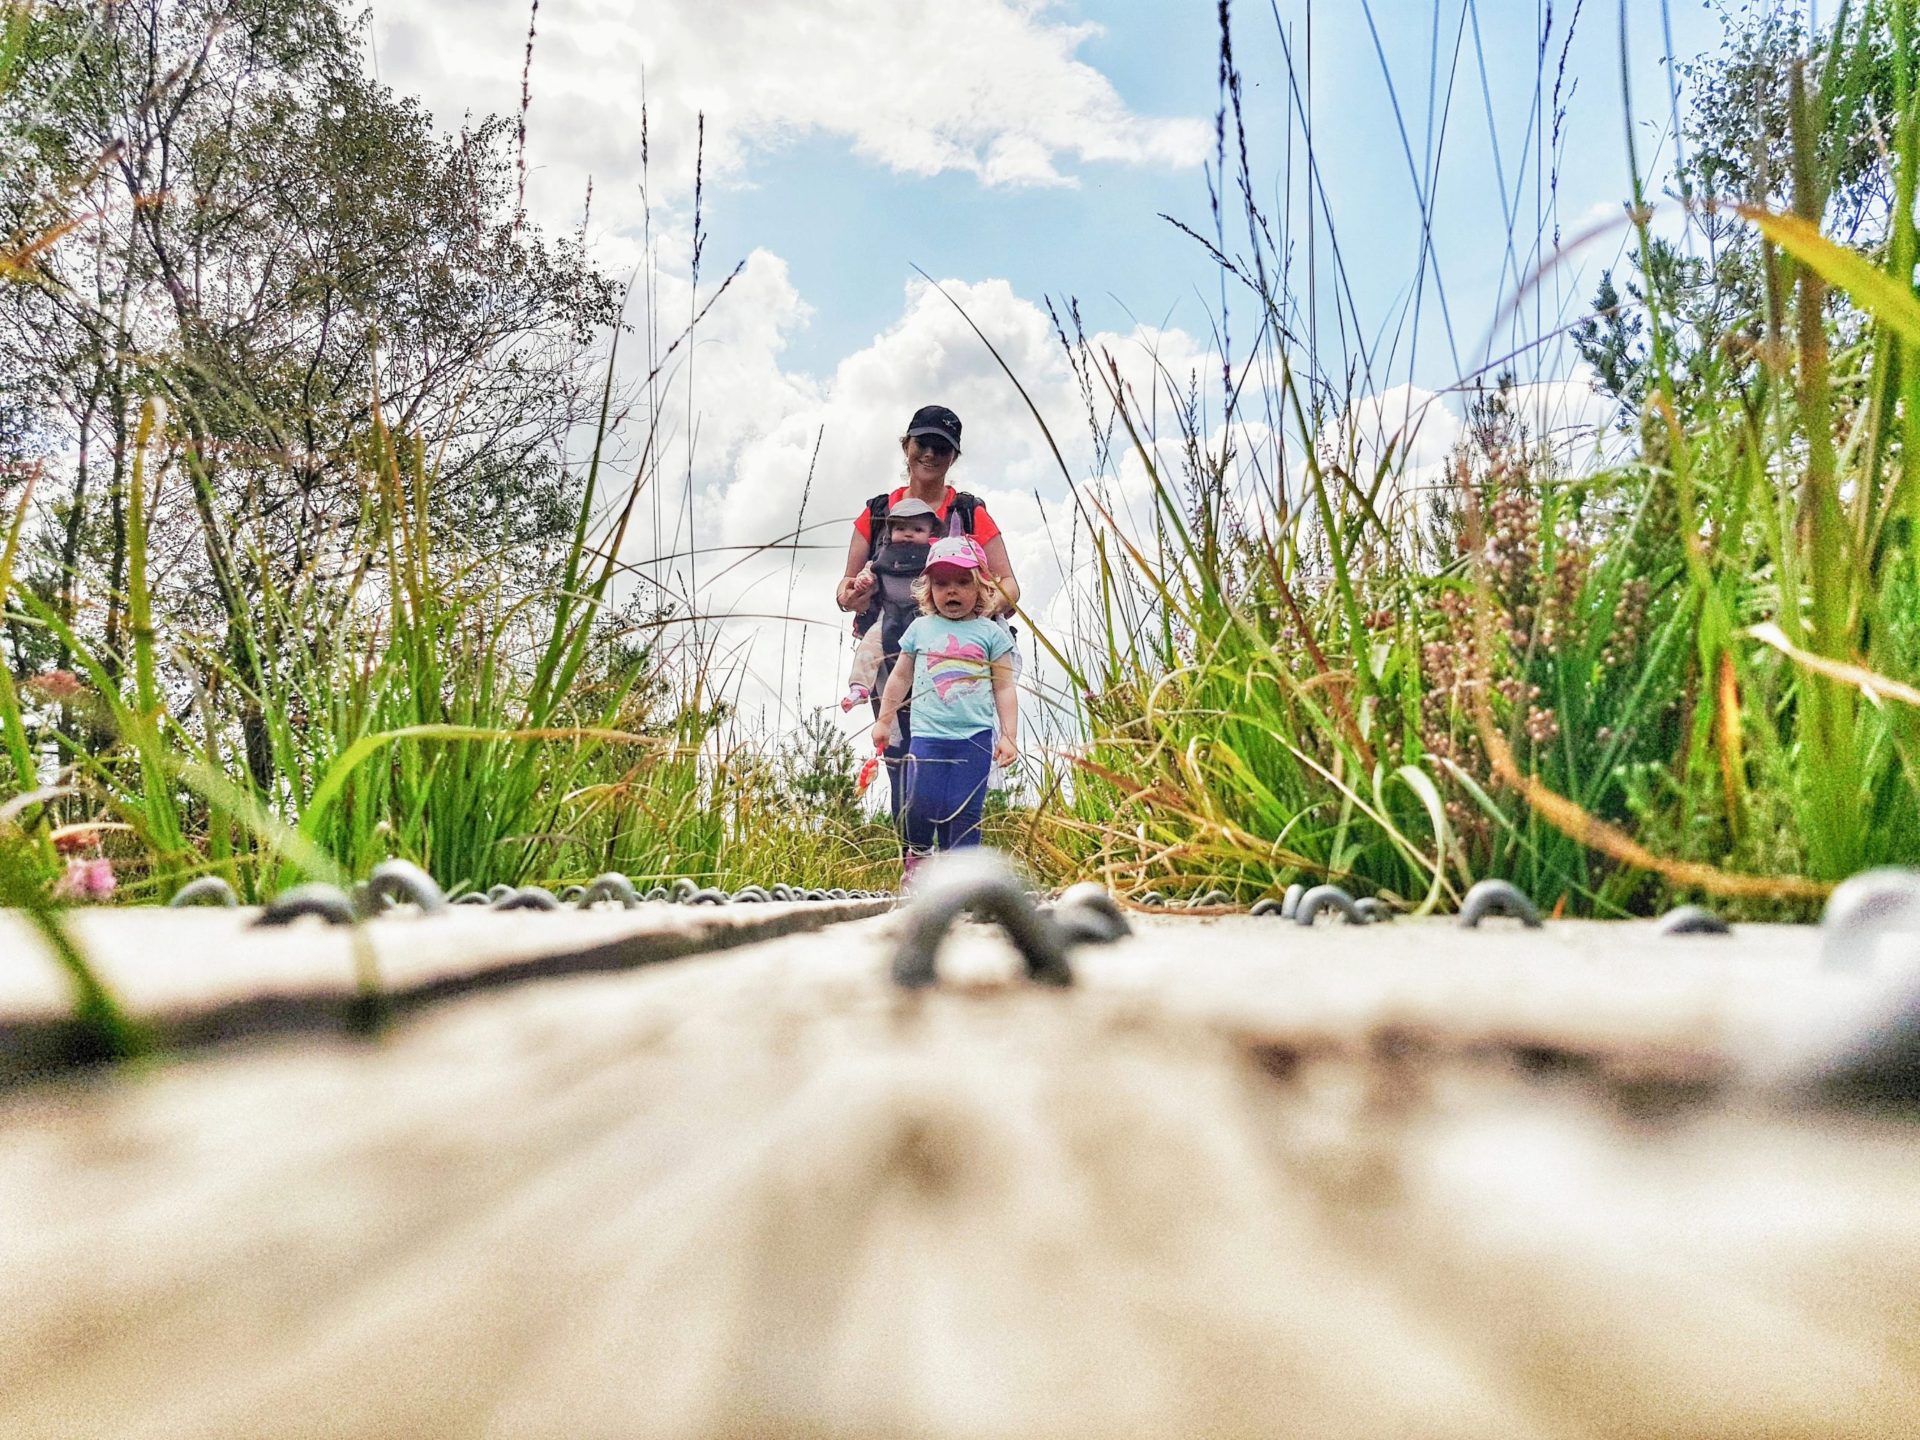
x,y
795,178
864,227
851,229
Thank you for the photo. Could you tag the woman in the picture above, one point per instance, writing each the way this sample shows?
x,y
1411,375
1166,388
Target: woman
x,y
930,446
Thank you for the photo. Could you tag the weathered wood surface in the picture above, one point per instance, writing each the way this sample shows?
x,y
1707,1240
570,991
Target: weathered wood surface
x,y
1243,1181
200,975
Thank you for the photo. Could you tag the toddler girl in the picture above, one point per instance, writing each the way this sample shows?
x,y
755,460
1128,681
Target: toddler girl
x,y
958,666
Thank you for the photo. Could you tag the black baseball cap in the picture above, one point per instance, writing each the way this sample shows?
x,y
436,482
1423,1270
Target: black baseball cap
x,y
935,420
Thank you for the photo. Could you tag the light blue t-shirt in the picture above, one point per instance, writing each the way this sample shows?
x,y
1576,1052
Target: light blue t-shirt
x,y
952,675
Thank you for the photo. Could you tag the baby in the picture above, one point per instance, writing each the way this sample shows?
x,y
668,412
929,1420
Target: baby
x,y
896,563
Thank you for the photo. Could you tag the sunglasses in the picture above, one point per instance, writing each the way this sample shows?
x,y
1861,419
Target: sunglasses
x,y
933,445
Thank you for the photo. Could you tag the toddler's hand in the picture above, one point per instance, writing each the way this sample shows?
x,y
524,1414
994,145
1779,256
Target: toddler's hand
x,y
1005,752
882,733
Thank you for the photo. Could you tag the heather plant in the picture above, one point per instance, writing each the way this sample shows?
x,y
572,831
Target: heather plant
x,y
1680,669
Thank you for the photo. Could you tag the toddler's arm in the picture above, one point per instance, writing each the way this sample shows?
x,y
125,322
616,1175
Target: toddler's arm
x,y
866,661
1006,704
899,685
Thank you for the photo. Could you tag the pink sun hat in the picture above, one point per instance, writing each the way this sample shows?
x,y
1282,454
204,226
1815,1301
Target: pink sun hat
x,y
958,552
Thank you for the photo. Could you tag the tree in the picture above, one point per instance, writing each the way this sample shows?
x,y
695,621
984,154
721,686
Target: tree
x,y
295,264
1721,305
818,772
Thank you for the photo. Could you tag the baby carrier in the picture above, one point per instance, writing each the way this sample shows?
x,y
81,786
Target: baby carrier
x,y
895,567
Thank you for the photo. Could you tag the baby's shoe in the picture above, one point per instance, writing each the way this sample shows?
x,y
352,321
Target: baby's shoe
x,y
909,863
856,695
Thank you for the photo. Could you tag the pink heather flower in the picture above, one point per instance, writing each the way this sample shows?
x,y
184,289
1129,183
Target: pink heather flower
x,y
86,880
57,685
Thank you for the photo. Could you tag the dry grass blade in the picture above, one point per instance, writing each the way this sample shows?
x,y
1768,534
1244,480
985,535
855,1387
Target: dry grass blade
x,y
1874,687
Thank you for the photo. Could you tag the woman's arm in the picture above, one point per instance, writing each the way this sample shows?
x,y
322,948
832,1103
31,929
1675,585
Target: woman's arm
x,y
1001,568
892,698
1006,704
855,586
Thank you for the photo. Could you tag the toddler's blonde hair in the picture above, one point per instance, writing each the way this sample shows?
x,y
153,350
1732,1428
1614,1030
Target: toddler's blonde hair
x,y
986,598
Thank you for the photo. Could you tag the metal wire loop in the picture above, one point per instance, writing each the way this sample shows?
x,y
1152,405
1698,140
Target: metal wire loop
x,y
1087,913
1692,920
1497,897
1865,907
610,886
1325,897
324,902
528,897
207,890
405,883
981,883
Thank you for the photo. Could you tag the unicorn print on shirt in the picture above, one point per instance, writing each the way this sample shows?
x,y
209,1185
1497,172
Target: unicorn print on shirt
x,y
957,663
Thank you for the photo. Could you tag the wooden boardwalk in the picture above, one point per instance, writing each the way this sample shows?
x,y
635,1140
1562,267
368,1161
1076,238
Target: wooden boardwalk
x,y
202,976
1242,1180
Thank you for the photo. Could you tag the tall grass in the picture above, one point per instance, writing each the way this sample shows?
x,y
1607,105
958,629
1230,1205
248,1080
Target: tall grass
x,y
1676,673
400,695
420,715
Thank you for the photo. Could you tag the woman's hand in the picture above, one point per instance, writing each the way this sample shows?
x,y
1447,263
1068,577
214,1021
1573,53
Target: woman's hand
x,y
847,594
1005,752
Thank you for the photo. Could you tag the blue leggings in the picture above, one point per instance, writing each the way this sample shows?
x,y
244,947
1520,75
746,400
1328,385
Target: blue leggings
x,y
945,785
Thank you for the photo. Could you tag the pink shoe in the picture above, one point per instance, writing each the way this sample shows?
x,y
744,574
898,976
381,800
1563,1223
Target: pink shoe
x,y
856,695
909,864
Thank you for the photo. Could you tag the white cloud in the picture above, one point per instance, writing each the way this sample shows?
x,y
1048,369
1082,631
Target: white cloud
x,y
1416,431
1008,102
758,429
991,88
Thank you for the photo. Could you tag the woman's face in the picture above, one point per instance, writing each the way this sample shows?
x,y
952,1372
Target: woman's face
x,y
956,592
928,459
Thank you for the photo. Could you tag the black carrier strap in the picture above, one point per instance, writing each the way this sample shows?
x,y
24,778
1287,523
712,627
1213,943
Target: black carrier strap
x,y
877,509
966,506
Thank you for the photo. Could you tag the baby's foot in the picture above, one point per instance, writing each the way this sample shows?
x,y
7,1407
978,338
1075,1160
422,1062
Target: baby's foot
x,y
856,695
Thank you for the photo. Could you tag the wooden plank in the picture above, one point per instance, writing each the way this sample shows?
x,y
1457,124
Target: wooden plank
x,y
764,1194
199,976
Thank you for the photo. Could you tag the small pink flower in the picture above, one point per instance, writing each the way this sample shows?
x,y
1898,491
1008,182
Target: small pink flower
x,y
57,685
86,880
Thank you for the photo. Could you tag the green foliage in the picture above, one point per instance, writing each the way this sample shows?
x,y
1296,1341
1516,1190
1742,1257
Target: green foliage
x,y
305,582
817,772
1722,303
1561,672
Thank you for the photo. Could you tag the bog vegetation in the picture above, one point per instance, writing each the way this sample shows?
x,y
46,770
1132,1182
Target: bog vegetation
x,y
1683,671
317,475
324,571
